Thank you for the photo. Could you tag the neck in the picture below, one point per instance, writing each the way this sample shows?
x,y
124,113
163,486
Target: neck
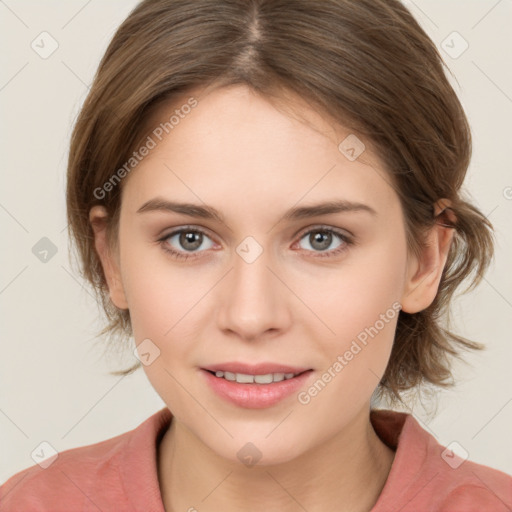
x,y
345,473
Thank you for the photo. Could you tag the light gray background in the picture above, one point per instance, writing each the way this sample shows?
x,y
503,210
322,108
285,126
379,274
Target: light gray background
x,y
54,385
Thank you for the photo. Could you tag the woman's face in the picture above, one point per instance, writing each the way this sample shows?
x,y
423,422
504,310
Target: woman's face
x,y
270,284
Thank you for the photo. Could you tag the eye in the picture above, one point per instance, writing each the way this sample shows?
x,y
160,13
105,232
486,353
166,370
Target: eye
x,y
188,240
320,238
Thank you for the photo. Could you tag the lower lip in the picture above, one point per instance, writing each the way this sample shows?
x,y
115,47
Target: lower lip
x,y
255,396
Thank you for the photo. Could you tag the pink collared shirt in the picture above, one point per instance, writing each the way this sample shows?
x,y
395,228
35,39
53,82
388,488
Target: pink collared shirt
x,y
120,474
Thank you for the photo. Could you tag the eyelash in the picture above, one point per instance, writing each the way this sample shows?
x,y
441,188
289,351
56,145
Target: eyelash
x,y
347,242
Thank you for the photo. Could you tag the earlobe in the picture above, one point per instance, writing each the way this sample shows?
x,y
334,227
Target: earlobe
x,y
98,218
424,272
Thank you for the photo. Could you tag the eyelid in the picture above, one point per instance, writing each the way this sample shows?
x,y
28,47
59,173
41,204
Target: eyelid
x,y
185,227
341,231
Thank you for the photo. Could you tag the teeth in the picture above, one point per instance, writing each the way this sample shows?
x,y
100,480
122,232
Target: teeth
x,y
264,379
244,378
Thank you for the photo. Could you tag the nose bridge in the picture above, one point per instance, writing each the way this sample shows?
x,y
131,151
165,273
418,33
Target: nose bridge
x,y
253,302
252,277
251,273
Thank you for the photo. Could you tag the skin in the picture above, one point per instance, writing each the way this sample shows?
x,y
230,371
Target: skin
x,y
241,154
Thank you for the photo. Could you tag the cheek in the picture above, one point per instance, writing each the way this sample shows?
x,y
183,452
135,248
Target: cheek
x,y
353,296
161,298
360,303
160,293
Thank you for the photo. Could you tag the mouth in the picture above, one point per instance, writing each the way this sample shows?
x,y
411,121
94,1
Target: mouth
x,y
246,378
255,369
255,386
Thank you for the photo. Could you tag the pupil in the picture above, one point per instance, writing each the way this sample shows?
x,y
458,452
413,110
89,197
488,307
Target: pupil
x,y
190,238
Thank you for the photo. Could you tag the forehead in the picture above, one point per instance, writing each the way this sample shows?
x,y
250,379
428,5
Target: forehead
x,y
237,144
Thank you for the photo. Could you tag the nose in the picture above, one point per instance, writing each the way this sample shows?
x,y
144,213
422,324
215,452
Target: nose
x,y
253,301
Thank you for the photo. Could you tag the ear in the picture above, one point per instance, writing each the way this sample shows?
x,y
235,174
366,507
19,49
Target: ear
x,y
98,218
424,273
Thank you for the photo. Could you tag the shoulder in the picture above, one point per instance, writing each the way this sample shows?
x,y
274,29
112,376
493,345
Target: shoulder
x,y
469,498
118,473
428,476
459,484
474,487
463,484
67,483
475,498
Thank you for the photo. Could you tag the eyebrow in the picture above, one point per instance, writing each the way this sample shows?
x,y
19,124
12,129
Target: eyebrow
x,y
296,213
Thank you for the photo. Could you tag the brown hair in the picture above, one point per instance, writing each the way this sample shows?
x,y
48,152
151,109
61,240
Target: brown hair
x,y
366,63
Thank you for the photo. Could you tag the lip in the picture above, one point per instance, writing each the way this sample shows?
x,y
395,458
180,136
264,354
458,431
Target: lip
x,y
254,369
256,396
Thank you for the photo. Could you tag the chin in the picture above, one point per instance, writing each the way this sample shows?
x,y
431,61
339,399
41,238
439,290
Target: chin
x,y
256,451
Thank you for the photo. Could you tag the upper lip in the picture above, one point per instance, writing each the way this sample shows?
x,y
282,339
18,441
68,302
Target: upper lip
x,y
254,369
